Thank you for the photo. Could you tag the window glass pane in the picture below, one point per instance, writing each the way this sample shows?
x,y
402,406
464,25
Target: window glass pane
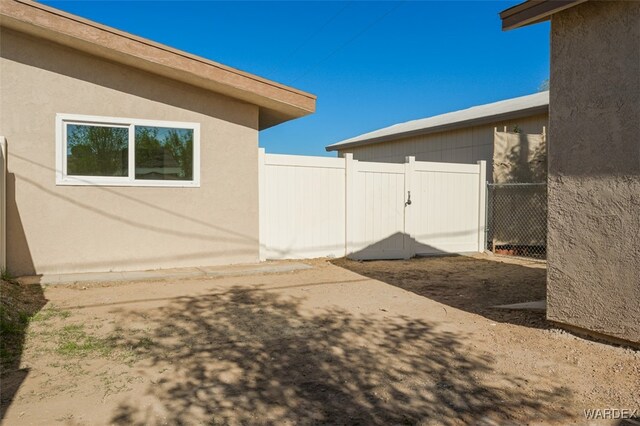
x,y
164,153
97,150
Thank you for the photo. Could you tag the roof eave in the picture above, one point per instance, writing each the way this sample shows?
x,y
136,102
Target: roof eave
x,y
540,109
533,11
277,103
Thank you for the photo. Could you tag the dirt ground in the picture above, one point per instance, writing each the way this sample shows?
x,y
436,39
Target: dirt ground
x,y
471,283
371,343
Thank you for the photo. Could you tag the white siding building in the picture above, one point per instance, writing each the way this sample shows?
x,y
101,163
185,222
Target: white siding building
x,y
464,136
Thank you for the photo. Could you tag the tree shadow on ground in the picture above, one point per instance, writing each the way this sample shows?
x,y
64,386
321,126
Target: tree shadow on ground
x,y
249,356
467,283
18,304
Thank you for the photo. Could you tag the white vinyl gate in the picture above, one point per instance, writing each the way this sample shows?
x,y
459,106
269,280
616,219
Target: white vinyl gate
x,y
376,202
448,209
317,207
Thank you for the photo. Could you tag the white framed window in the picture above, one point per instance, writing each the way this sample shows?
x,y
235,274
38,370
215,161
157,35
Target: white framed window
x,y
110,151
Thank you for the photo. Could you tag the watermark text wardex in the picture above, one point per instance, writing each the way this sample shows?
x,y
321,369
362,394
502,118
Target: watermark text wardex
x,y
611,413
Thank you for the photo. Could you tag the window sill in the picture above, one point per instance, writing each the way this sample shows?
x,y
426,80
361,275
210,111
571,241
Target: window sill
x,y
121,183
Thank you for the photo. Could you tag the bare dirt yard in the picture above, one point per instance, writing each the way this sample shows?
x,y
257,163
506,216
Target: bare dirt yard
x,y
371,343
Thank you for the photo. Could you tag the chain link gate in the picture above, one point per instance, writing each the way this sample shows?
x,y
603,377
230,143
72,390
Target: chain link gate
x,y
517,219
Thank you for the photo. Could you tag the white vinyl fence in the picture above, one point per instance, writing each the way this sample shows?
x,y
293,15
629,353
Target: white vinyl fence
x,y
3,202
302,206
317,207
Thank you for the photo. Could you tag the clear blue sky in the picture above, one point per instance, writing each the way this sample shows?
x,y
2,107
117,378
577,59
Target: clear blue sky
x,y
371,64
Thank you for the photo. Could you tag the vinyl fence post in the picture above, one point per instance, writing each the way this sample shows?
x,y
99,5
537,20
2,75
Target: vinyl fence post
x,y
262,206
409,217
349,199
482,206
3,202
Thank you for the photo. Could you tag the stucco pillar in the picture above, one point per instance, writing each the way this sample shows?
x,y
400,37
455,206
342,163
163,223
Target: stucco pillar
x,y
594,169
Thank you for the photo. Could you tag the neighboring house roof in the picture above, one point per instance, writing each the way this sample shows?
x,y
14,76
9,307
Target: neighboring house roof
x,y
524,106
533,11
278,103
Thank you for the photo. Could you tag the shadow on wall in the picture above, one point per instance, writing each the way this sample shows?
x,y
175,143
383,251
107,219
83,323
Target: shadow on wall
x,y
18,253
251,356
467,283
18,304
400,245
394,246
519,158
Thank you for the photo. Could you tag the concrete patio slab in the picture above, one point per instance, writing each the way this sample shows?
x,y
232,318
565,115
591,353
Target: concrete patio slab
x,y
165,274
261,268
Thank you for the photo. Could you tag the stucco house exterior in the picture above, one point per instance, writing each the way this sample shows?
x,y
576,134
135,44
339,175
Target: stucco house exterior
x,y
465,136
125,154
593,280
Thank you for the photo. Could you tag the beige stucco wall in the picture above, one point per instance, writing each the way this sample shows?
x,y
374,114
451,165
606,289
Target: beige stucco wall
x,y
467,145
57,229
594,169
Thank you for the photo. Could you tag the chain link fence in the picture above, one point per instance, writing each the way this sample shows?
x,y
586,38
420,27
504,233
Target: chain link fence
x,y
517,219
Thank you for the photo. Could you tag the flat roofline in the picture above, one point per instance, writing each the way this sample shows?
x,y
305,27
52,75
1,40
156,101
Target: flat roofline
x,y
533,11
442,128
506,109
278,103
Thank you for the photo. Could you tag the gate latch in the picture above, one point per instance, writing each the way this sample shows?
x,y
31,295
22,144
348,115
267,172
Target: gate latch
x,y
408,202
